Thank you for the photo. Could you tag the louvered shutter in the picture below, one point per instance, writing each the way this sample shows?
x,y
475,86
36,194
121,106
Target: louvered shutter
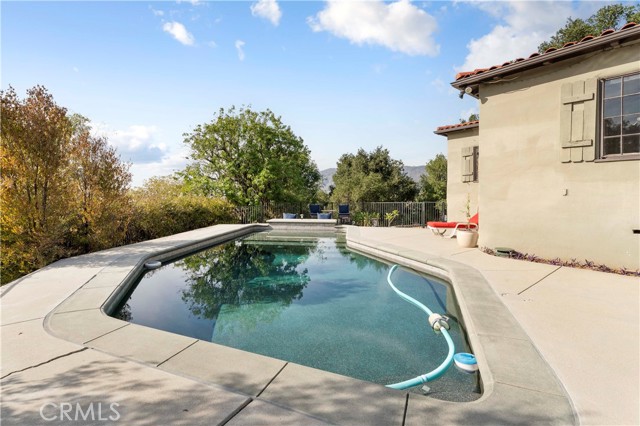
x,y
467,164
578,120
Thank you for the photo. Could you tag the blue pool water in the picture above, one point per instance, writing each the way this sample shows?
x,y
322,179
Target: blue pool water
x,y
308,300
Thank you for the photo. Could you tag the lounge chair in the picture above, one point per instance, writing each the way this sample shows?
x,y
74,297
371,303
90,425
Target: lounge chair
x,y
314,209
440,228
343,213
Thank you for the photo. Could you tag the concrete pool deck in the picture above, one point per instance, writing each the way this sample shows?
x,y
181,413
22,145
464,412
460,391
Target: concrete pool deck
x,y
59,348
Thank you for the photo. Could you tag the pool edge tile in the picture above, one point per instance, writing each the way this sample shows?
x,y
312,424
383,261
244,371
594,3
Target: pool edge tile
x,y
323,394
229,367
140,343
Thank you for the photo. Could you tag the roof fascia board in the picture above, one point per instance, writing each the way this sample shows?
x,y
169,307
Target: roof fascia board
x,y
563,53
444,132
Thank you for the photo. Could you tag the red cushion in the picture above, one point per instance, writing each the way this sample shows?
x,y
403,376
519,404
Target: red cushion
x,y
442,224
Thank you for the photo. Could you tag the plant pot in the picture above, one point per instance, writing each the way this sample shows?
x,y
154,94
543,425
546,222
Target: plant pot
x,y
467,238
374,222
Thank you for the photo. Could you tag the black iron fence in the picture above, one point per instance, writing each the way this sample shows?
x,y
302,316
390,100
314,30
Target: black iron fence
x,y
363,213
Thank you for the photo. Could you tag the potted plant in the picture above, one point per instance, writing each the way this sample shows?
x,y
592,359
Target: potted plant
x,y
391,216
467,237
375,217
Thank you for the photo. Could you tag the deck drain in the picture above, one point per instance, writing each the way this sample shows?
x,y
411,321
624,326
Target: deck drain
x,y
504,251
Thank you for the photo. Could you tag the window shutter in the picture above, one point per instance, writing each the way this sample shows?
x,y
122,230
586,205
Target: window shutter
x,y
467,164
578,120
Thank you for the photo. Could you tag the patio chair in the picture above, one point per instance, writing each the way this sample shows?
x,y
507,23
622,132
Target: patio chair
x,y
314,209
440,228
343,213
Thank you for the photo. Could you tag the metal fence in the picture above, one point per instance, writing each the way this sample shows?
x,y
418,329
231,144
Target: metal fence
x,y
409,213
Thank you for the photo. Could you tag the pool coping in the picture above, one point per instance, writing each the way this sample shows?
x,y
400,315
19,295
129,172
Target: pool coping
x,y
496,338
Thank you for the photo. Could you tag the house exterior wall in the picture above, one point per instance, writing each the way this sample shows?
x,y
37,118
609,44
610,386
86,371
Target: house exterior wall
x,y
533,202
457,190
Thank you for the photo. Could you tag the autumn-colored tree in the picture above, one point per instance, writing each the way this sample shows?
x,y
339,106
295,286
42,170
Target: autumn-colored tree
x,y
62,188
100,186
35,143
165,206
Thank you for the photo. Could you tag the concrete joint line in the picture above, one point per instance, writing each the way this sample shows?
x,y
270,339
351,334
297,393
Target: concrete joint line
x,y
531,390
272,379
406,406
179,352
235,412
504,337
460,252
19,322
102,335
74,310
540,280
43,363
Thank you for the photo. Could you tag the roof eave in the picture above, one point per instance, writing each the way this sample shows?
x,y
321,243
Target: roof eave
x,y
444,132
613,40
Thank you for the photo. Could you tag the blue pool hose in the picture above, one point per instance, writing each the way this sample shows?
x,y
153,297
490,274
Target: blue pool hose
x,y
442,368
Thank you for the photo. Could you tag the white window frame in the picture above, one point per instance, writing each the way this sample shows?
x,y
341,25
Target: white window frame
x,y
601,133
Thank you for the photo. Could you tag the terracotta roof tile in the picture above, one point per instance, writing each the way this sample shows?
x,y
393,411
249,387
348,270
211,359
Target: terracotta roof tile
x,y
465,74
458,126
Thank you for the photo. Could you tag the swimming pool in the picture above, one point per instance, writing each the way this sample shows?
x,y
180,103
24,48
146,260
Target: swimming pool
x,y
305,299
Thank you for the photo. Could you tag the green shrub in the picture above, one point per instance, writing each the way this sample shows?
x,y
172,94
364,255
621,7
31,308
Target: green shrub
x,y
160,208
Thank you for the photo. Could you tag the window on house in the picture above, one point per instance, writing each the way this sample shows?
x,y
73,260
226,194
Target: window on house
x,y
620,129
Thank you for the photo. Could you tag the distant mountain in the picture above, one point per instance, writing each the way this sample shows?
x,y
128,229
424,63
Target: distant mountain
x,y
414,172
327,178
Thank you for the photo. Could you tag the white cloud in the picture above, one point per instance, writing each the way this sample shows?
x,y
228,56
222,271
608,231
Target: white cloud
x,y
239,45
267,9
399,26
75,69
135,144
179,32
523,26
167,165
156,12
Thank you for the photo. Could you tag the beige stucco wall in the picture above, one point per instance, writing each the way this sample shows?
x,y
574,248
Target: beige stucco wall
x,y
523,182
456,189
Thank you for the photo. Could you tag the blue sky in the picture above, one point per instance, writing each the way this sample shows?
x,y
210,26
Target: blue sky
x,y
343,74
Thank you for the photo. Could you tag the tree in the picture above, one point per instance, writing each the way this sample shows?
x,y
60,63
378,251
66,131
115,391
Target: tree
x,y
63,190
250,157
371,176
433,183
610,16
165,206
472,117
101,183
34,157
